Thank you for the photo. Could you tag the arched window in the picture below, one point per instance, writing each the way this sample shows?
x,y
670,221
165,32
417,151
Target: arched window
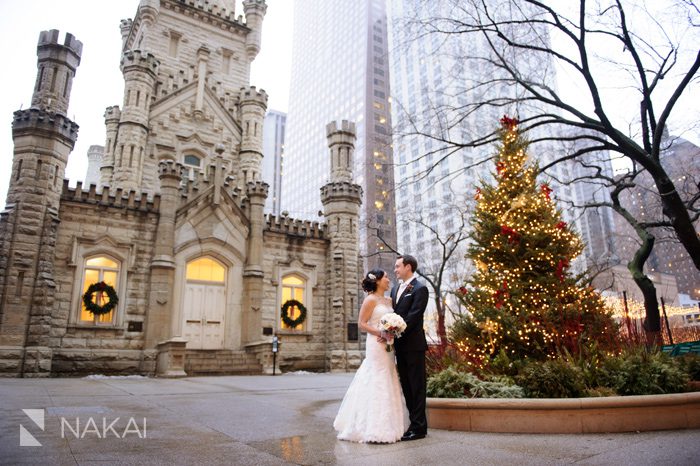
x,y
99,269
205,269
293,287
192,165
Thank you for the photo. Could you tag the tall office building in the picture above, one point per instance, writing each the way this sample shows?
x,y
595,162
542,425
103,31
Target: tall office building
x,y
340,71
273,155
681,158
434,78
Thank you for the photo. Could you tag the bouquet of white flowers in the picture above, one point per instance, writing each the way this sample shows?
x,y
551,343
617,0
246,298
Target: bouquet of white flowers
x,y
394,325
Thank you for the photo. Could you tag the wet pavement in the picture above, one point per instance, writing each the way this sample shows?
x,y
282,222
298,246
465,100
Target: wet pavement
x,y
266,420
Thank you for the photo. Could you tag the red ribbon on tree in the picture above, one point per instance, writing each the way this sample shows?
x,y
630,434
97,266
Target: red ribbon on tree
x,y
563,264
500,168
463,291
547,190
501,294
561,225
513,236
508,122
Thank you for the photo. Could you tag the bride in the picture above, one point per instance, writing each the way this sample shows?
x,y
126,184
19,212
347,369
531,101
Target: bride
x,y
373,409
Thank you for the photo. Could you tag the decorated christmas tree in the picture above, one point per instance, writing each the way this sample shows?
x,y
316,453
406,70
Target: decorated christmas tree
x,y
523,300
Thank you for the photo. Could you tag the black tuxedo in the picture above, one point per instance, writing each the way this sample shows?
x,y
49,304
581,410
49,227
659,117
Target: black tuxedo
x,y
410,351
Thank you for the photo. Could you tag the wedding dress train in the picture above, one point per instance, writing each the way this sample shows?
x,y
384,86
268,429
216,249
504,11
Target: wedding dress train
x,y
373,409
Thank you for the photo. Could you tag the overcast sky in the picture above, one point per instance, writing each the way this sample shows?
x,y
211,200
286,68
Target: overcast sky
x,y
99,83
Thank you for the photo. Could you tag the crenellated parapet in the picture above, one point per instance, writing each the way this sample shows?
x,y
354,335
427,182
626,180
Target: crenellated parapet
x,y
51,124
341,191
257,189
119,198
294,227
219,16
50,38
170,169
251,96
141,60
112,114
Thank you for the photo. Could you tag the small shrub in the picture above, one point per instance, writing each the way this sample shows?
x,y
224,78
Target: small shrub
x,y
450,383
555,378
502,387
690,363
646,373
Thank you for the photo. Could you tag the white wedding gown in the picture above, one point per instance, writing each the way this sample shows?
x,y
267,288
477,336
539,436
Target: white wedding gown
x,y
373,409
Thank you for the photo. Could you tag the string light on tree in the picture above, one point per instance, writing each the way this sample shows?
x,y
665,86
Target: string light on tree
x,y
522,299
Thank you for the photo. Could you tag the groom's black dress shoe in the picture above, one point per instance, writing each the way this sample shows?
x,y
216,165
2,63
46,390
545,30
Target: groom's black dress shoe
x,y
411,435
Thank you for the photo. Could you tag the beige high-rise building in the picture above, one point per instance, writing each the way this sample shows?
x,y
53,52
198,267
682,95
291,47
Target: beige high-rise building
x,y
169,266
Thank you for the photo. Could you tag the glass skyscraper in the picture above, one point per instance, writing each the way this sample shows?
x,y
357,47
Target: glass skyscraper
x,y
273,158
435,77
340,71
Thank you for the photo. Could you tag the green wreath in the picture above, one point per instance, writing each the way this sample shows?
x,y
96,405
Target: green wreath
x,y
285,315
91,305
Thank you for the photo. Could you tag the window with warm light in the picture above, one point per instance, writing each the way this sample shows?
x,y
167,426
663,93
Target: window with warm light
x,y
99,269
205,269
293,287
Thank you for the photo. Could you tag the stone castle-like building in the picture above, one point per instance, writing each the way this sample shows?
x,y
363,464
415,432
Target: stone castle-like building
x,y
175,225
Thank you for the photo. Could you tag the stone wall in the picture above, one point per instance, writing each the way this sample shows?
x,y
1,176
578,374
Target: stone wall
x,y
293,246
122,227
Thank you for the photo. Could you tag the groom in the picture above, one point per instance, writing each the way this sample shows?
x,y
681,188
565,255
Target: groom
x,y
409,299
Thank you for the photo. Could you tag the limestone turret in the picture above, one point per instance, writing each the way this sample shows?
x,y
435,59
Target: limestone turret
x,y
253,106
140,71
43,138
56,68
341,200
148,14
125,28
94,155
254,13
112,116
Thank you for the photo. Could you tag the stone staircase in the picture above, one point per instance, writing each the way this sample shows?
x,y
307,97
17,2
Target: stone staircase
x,y
221,362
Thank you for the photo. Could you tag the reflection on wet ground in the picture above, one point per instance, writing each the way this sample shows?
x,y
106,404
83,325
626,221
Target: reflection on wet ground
x,y
263,420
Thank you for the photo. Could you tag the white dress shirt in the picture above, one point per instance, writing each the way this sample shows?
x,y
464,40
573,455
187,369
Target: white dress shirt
x,y
402,287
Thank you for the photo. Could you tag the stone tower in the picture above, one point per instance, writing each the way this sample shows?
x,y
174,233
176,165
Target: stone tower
x,y
253,106
43,137
254,13
341,200
140,70
94,155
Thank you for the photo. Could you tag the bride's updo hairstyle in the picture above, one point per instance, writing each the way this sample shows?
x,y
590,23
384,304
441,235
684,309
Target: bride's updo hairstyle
x,y
369,283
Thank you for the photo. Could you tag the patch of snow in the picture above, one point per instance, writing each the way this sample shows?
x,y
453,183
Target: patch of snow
x,y
103,377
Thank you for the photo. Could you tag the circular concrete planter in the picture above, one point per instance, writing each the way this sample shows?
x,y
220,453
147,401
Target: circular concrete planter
x,y
567,415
